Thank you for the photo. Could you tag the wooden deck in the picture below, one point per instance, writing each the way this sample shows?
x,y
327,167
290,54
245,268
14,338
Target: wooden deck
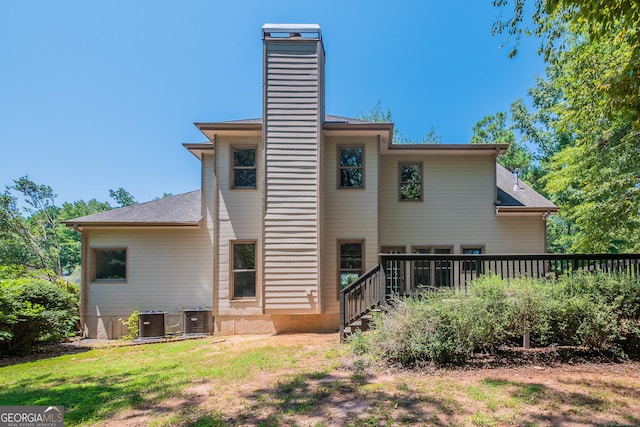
x,y
407,274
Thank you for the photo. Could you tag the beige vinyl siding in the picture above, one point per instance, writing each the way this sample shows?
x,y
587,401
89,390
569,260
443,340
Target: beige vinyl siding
x,y
166,269
350,214
239,218
208,185
292,147
457,209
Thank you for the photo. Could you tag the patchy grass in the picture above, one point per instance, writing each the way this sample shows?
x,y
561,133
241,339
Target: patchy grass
x,y
309,380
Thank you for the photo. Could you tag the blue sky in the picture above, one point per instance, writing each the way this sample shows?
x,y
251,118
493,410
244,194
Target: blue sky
x,y
100,95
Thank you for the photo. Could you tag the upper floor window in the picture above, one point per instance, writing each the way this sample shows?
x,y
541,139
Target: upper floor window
x,y
244,167
110,265
351,167
411,181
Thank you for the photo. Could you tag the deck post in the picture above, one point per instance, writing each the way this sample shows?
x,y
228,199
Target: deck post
x,y
343,319
382,289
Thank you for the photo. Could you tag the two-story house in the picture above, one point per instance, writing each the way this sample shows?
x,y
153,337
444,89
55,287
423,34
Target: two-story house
x,y
294,206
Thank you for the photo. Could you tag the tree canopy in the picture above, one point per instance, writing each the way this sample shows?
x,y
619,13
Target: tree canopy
x,y
31,231
583,123
559,22
378,115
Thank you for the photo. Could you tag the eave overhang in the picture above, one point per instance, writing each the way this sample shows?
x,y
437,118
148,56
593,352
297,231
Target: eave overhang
x,y
525,211
81,226
199,149
210,130
446,149
385,130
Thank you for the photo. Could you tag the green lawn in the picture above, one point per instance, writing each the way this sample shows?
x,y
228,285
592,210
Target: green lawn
x,y
97,384
310,380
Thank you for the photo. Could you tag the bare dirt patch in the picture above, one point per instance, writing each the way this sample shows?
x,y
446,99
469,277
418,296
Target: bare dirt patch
x,y
331,388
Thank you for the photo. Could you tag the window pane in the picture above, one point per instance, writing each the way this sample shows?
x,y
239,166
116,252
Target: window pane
x,y
351,157
443,269
351,178
244,178
347,278
410,191
244,284
111,264
350,256
410,182
411,173
244,157
351,167
471,265
244,256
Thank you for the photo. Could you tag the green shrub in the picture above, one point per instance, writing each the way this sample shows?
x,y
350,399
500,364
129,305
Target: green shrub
x,y
415,330
35,311
597,310
133,326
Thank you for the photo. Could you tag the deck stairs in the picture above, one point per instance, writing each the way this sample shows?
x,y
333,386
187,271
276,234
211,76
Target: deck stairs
x,y
360,300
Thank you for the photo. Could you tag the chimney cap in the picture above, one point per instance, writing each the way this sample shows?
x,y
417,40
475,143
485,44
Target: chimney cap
x,y
286,30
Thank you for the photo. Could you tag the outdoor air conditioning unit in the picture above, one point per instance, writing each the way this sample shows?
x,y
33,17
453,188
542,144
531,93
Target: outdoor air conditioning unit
x,y
151,324
197,321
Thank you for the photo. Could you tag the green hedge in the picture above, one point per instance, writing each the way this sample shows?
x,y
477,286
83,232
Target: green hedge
x,y
33,311
595,310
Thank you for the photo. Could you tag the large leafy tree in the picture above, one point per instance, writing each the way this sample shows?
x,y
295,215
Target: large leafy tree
x,y
122,197
557,22
596,177
31,232
586,117
586,152
493,129
70,241
32,239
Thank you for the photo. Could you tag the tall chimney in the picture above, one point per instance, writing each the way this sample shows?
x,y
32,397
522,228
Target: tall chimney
x,y
293,114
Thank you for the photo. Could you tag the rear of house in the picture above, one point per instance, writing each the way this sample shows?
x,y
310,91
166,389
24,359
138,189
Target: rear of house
x,y
293,207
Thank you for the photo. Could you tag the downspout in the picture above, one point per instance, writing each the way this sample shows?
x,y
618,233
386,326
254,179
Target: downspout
x,y
495,178
216,232
544,231
83,282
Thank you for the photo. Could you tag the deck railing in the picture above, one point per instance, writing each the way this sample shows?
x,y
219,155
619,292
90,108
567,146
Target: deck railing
x,y
361,296
407,274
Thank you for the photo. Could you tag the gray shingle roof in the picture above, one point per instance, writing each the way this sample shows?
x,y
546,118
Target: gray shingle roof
x,y
184,209
181,209
525,197
328,119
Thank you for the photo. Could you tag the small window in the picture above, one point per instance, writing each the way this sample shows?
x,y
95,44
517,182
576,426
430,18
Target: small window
x,y
244,269
244,168
351,167
471,250
411,181
351,265
110,265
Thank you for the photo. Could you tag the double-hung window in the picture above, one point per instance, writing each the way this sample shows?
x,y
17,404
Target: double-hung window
x,y
351,167
243,269
411,181
350,254
244,170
